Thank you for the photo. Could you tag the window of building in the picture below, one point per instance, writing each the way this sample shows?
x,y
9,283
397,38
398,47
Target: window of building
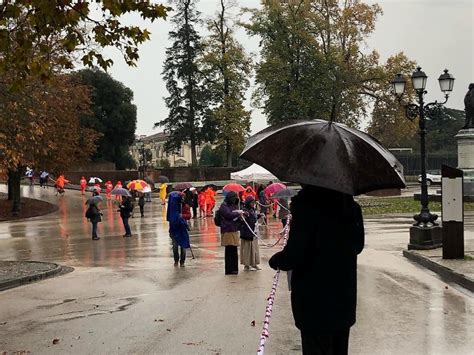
x,y
181,151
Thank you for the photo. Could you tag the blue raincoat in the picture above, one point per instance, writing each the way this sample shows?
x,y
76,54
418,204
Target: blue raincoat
x,y
178,225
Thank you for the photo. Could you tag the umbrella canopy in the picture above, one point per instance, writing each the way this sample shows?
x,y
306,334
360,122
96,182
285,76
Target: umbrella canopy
x,y
326,154
121,192
233,187
146,189
163,179
138,185
182,186
254,172
285,193
94,200
275,187
93,180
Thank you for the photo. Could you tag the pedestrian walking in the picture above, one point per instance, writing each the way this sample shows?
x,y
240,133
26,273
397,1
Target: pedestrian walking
x,y
126,209
229,215
108,189
83,185
195,204
141,203
326,234
249,251
163,189
44,176
202,204
178,227
262,199
210,201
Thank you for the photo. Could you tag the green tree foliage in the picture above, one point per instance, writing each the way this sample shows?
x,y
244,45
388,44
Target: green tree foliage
x,y
113,115
312,60
184,81
37,37
227,69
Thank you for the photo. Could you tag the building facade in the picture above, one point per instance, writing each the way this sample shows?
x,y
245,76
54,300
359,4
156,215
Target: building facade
x,y
156,155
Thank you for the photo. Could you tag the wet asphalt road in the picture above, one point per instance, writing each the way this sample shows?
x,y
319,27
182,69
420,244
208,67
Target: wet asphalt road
x,y
125,295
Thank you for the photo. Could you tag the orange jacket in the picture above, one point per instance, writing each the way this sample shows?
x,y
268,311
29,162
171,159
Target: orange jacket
x,y
248,192
61,181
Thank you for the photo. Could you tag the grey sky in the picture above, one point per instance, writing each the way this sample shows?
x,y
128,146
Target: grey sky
x,y
437,34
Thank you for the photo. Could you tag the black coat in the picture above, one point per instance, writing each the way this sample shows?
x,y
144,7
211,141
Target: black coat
x,y
250,216
326,234
126,209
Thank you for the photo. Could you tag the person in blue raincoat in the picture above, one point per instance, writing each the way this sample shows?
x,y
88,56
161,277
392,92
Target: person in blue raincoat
x,y
178,227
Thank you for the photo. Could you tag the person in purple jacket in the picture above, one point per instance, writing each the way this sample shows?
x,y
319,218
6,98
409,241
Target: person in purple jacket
x,y
230,224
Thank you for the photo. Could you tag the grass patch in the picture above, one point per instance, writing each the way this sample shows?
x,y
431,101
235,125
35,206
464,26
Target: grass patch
x,y
468,258
375,206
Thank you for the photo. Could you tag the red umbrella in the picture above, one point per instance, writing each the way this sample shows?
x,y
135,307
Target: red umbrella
x,y
275,187
233,187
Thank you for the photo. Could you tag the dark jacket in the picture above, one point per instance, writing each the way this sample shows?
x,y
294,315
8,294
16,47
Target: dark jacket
x,y
126,209
326,234
230,219
95,214
141,200
250,216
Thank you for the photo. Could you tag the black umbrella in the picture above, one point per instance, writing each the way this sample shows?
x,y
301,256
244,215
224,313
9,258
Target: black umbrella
x,y
325,154
180,186
163,179
285,193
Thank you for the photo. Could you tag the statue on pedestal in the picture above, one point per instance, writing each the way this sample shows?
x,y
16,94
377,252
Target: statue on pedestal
x,y
469,107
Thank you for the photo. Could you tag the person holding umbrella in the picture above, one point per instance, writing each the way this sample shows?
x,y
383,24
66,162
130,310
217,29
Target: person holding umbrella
x,y
163,188
93,213
126,209
141,203
178,227
229,224
249,251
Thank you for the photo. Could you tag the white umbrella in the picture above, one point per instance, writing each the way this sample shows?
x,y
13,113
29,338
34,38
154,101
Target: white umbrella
x,y
92,180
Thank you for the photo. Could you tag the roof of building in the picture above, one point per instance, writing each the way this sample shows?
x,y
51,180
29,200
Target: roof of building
x,y
157,137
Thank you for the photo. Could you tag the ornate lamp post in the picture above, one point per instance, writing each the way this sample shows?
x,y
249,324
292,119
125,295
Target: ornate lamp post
x,y
420,110
141,168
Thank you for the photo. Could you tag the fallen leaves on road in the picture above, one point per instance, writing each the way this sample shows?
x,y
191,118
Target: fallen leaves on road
x,y
252,323
55,341
159,320
3,323
200,343
168,330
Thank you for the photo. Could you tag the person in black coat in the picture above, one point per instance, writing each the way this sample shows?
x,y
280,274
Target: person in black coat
x,y
126,209
326,235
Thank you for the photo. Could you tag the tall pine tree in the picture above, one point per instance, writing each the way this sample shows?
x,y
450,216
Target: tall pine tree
x,y
184,80
227,69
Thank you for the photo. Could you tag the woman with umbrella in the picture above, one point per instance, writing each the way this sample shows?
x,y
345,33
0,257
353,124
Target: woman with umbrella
x,y
249,251
126,209
93,213
229,224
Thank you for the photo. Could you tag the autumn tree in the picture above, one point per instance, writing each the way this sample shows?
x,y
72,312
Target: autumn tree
x,y
37,37
113,114
184,80
313,64
41,127
227,69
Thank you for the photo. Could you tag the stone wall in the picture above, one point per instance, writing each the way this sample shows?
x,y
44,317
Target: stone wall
x,y
194,174
113,175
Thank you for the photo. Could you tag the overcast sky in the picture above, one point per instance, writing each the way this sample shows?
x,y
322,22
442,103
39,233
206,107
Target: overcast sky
x,y
437,34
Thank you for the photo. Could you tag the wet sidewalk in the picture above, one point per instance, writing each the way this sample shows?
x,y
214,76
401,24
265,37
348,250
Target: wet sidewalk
x,y
460,271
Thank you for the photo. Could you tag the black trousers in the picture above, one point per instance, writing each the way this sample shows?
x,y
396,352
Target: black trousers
x,y
176,250
331,343
231,260
142,208
195,211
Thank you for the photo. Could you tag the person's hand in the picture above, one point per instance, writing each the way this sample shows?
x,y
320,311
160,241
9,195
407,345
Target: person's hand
x,y
241,212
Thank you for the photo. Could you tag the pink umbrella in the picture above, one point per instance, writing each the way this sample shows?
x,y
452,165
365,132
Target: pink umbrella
x,y
275,187
233,187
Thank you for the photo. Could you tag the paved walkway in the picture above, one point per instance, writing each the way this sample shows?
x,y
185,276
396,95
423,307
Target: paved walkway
x,y
125,296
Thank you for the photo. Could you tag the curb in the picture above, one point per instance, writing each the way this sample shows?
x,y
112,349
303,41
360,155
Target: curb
x,y
5,285
445,273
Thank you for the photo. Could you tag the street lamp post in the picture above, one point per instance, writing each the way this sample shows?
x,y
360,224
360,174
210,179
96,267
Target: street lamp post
x,y
141,150
426,237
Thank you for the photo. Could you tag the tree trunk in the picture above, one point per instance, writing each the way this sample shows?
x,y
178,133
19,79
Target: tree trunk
x,y
10,188
228,149
14,178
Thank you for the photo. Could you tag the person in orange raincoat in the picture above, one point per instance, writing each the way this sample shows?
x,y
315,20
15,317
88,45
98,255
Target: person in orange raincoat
x,y
83,184
249,192
210,201
108,189
202,204
60,183
118,185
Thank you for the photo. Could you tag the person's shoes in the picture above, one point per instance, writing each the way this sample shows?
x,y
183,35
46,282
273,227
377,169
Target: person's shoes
x,y
142,216
256,267
181,263
95,238
127,235
175,263
246,268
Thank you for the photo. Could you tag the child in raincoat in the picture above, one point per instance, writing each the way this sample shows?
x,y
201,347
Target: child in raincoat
x,y
108,189
202,204
60,183
83,184
163,188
